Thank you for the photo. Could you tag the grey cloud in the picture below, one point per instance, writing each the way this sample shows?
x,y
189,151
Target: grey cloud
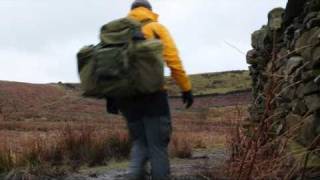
x,y
42,37
32,24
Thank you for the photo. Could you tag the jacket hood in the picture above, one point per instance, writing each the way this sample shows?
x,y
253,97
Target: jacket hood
x,y
143,14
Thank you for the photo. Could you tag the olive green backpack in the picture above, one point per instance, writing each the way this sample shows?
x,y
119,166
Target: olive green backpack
x,y
123,64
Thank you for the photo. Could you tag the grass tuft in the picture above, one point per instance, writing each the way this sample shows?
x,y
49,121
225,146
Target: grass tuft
x,y
181,147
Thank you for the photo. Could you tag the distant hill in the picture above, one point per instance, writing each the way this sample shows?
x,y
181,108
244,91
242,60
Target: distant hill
x,y
63,101
204,84
215,83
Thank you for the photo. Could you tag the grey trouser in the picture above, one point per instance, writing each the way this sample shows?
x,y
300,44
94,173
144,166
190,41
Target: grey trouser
x,y
150,134
150,138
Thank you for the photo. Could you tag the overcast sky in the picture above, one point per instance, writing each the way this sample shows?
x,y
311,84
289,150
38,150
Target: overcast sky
x,y
39,38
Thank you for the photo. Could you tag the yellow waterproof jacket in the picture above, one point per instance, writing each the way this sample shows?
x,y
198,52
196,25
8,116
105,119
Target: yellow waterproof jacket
x,y
170,53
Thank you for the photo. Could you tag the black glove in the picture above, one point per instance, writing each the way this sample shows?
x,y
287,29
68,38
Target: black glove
x,y
112,106
187,98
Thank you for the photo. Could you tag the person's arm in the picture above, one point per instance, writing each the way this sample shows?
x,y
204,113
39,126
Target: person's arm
x,y
172,59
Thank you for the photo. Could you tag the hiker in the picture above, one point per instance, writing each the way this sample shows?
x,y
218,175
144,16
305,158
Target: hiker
x,y
148,116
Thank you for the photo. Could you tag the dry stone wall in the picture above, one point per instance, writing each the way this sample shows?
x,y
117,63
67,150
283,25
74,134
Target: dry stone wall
x,y
285,70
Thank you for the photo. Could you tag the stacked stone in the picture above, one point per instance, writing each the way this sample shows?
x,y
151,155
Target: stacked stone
x,y
285,62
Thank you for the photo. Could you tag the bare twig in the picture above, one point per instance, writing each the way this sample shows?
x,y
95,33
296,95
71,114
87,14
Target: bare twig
x,y
235,47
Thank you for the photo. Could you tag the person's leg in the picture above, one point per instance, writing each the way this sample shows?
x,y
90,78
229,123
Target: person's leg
x,y
158,132
150,135
139,152
132,111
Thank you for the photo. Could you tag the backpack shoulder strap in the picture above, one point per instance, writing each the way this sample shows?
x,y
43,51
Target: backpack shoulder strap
x,y
146,22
